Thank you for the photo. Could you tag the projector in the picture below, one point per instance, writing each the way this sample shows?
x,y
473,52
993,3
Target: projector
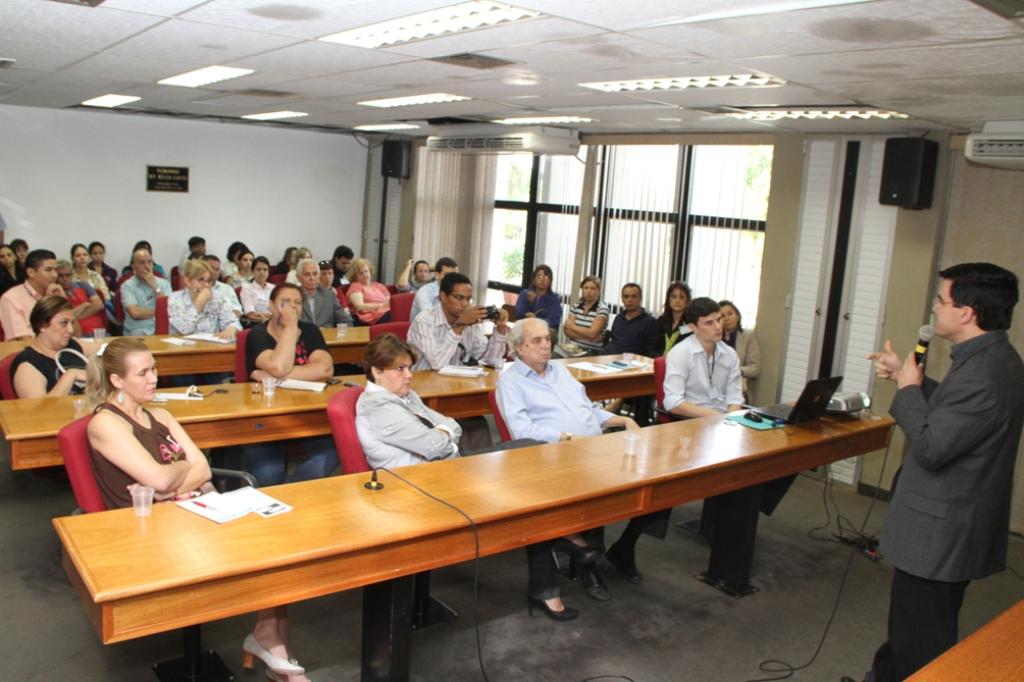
x,y
846,402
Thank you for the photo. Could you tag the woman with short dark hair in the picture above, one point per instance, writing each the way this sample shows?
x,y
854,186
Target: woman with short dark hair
x,y
53,364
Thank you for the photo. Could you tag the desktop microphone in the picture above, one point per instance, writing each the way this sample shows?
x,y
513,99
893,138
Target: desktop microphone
x,y
373,483
924,336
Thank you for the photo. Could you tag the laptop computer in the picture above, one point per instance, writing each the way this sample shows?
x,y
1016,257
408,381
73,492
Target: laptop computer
x,y
810,405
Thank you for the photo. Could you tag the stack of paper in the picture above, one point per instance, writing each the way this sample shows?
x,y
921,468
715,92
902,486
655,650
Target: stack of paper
x,y
233,505
460,371
300,385
212,338
596,368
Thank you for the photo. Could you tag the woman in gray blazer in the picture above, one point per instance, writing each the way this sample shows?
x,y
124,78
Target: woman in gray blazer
x,y
743,341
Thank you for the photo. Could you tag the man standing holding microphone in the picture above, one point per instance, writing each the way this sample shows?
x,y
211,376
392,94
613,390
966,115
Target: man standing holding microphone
x,y
949,512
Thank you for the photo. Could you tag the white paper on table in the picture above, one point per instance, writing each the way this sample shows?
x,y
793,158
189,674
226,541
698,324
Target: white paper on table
x,y
175,341
164,397
211,338
459,371
233,505
596,368
302,385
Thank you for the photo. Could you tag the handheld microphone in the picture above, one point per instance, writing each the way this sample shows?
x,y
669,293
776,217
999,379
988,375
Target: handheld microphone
x,y
924,336
373,483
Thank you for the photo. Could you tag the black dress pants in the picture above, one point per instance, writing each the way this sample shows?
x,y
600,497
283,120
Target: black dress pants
x,y
923,619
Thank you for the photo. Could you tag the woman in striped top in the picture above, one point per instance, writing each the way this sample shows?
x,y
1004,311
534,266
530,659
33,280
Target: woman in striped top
x,y
588,318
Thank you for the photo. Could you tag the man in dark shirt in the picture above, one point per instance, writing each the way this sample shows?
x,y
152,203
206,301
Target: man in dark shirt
x,y
949,513
633,327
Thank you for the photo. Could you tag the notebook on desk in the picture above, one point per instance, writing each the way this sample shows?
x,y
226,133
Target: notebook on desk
x,y
810,405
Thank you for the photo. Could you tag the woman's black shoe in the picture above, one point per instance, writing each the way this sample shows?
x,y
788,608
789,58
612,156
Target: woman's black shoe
x,y
626,566
565,614
580,554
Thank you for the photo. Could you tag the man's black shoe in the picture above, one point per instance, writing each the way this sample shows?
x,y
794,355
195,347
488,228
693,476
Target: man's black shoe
x,y
592,583
625,566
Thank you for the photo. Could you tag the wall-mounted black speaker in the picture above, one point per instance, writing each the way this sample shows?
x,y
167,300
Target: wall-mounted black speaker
x,y
395,158
908,172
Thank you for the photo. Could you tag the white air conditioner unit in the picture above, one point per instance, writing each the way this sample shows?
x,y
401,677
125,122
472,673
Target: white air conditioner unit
x,y
1000,143
533,140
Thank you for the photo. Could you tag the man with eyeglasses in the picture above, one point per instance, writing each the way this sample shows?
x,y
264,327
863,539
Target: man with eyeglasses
x,y
949,512
450,333
139,294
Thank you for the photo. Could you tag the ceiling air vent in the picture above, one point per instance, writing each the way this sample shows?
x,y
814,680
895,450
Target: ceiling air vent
x,y
1000,143
473,61
538,140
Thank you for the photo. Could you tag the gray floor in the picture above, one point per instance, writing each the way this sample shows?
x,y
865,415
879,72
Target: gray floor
x,y
672,628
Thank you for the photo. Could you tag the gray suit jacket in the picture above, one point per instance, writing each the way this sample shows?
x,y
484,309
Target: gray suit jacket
x,y
949,516
328,309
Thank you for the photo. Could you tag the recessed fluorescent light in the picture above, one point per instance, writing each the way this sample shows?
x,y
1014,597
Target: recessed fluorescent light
x,y
541,120
735,80
205,76
432,98
377,127
110,101
826,114
465,16
772,8
274,115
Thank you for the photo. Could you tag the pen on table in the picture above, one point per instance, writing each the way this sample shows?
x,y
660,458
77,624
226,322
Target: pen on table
x,y
200,504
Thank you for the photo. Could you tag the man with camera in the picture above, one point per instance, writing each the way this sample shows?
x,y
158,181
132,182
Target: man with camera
x,y
450,333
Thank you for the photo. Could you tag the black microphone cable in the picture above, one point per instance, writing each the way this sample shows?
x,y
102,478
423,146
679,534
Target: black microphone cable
x,y
781,670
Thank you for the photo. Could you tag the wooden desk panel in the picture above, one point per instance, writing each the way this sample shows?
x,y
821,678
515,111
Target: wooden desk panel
x,y
139,576
205,357
992,653
238,417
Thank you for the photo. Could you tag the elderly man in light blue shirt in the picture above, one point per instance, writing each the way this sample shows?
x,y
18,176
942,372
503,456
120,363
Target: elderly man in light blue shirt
x,y
540,399
429,295
139,294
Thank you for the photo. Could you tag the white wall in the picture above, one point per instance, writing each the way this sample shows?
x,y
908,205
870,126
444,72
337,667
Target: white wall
x,y
70,176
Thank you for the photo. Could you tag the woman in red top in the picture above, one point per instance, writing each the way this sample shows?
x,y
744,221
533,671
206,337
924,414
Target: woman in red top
x,y
370,301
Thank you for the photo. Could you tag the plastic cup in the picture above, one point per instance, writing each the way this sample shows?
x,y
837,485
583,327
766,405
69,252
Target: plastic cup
x,y
341,328
627,358
632,441
142,500
99,334
499,365
79,404
269,386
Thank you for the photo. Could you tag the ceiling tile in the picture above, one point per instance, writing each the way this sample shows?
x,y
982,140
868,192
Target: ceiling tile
x,y
164,8
201,43
519,33
69,26
313,58
42,57
139,69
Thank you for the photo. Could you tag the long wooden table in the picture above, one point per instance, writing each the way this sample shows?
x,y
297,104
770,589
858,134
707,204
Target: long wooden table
x,y
140,576
992,653
238,417
204,357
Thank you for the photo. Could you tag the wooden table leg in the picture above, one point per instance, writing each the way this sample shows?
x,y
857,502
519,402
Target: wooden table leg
x,y
734,529
387,630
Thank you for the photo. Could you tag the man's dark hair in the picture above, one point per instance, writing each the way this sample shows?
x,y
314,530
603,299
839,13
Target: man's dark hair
x,y
698,308
35,258
196,241
18,243
260,259
343,252
449,281
445,262
989,289
633,285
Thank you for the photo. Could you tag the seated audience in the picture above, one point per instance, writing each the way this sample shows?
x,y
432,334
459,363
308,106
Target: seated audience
x,y
16,305
538,300
451,333
97,252
370,300
288,261
44,367
194,308
158,269
428,295
288,348
395,427
341,262
669,328
585,325
633,327
743,341
224,292
230,265
540,399
320,307
244,273
130,445
415,275
139,294
20,247
256,294
301,254
86,303
11,271
702,373
80,272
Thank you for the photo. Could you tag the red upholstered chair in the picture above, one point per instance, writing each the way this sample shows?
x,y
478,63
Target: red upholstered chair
x,y
175,278
241,376
277,278
6,380
499,420
341,414
163,325
118,306
344,288
74,446
392,289
399,329
401,306
662,415
342,298
124,278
